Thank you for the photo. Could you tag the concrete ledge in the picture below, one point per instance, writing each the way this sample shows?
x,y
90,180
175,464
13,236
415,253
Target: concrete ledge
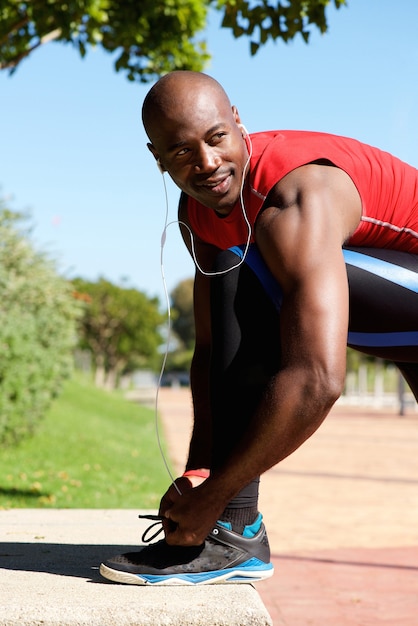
x,y
49,575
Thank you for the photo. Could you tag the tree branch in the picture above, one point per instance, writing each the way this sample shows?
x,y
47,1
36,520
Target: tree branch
x,y
18,25
54,34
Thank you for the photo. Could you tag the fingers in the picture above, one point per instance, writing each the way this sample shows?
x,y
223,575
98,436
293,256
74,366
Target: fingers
x,y
189,516
176,536
186,530
173,493
169,527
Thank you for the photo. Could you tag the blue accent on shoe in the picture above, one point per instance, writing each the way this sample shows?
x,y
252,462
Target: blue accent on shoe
x,y
226,525
250,570
249,531
252,529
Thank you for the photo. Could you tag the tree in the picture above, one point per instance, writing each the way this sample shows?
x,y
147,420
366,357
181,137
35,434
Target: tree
x,y
150,38
182,312
119,328
182,323
37,331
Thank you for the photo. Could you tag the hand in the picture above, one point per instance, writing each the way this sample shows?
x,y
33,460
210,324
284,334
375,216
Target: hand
x,y
180,486
192,515
173,493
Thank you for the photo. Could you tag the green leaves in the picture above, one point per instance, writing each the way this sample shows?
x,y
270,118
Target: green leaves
x,y
182,312
37,331
150,38
119,327
274,20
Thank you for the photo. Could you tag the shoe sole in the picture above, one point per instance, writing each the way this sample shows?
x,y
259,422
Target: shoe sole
x,y
236,576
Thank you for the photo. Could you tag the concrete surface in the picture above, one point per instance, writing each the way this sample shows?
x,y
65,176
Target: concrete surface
x,y
49,576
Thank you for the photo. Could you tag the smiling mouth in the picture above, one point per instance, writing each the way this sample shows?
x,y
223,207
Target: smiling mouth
x,y
218,187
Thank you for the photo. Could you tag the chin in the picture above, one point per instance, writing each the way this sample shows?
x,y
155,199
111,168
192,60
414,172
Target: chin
x,y
224,205
224,211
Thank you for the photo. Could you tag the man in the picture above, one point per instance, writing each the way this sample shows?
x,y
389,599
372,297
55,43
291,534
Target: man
x,y
271,221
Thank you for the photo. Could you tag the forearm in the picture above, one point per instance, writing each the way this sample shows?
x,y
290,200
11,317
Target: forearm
x,y
293,407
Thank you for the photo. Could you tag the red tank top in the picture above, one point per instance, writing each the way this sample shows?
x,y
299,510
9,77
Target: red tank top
x,y
388,189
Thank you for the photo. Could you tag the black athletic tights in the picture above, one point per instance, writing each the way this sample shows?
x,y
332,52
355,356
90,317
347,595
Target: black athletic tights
x,y
245,305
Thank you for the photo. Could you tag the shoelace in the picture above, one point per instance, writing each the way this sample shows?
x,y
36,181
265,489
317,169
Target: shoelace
x,y
158,520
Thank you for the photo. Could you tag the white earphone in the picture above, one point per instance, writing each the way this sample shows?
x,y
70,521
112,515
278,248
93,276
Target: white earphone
x,y
242,127
160,167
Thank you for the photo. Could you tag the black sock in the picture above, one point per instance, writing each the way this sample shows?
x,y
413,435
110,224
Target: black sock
x,y
239,518
243,509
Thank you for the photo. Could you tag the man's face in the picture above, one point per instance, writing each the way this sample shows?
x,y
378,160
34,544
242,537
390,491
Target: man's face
x,y
203,149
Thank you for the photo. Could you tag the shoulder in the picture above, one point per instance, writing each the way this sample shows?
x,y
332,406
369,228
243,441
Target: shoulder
x,y
296,185
316,192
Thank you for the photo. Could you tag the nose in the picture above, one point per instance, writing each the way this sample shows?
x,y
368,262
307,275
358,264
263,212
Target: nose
x,y
208,159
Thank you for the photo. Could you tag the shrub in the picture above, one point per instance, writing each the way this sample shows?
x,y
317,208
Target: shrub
x,y
37,331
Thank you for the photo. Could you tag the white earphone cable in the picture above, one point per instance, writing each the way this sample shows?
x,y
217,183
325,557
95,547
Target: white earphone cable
x,y
168,339
206,273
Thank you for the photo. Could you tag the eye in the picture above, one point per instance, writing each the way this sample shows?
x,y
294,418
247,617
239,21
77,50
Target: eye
x,y
218,137
182,152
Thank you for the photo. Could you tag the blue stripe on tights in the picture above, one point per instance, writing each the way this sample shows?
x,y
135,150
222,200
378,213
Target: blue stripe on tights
x,y
255,261
376,340
390,271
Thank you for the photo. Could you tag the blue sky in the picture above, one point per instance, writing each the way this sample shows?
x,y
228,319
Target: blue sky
x,y
72,148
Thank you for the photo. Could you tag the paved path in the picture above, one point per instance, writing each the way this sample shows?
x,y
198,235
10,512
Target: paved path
x,y
342,518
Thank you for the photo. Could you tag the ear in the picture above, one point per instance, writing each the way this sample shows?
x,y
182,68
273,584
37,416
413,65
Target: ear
x,y
237,118
152,150
236,114
156,157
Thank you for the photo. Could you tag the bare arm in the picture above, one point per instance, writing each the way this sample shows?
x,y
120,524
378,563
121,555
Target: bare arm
x,y
300,234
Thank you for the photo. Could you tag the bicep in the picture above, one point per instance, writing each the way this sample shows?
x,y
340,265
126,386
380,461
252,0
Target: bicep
x,y
314,319
302,245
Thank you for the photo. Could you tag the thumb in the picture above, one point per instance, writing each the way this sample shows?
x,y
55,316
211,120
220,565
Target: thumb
x,y
169,524
168,514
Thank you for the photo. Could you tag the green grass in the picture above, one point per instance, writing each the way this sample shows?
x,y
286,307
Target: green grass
x,y
94,449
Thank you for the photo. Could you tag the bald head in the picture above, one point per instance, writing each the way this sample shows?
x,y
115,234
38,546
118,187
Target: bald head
x,y
171,95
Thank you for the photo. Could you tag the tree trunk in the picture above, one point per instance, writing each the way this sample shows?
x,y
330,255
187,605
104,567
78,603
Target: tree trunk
x,y
100,373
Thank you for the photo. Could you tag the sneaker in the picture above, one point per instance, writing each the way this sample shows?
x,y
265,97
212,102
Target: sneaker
x,y
225,557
